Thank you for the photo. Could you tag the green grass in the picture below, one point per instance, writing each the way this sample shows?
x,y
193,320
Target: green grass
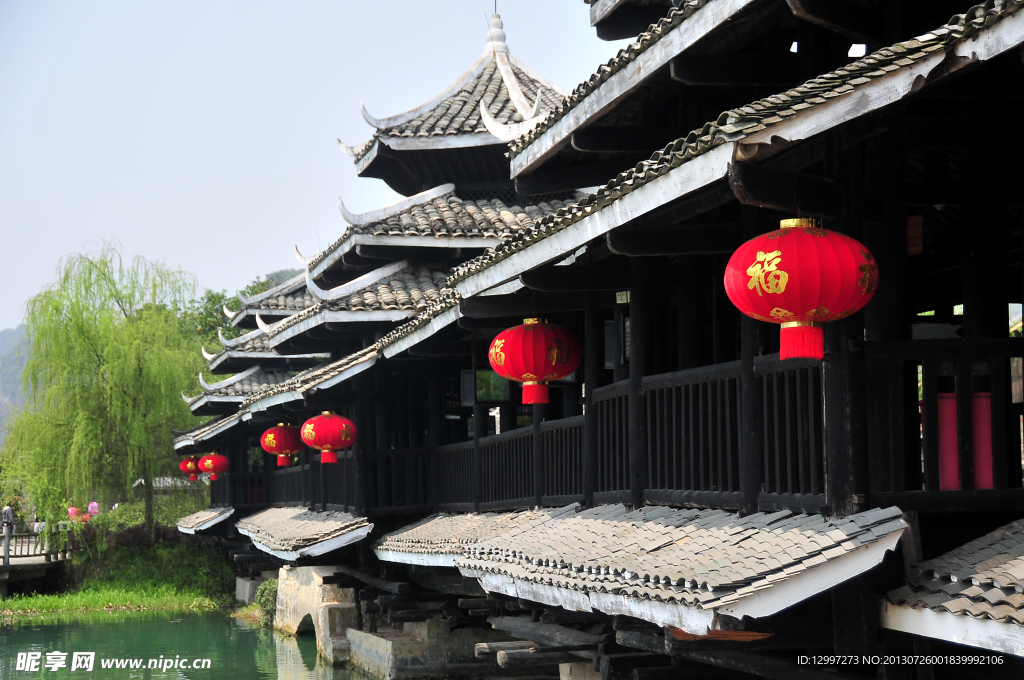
x,y
106,599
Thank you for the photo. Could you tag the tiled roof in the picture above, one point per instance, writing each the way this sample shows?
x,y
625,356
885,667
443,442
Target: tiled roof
x,y
701,558
983,579
457,110
409,289
285,298
449,216
291,529
208,430
736,124
248,384
676,17
204,517
445,534
313,377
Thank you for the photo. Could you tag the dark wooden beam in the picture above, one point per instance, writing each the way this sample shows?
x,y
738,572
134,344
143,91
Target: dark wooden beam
x,y
600,139
624,23
593,366
839,17
521,304
590,277
545,633
452,348
732,70
640,323
702,239
575,176
784,191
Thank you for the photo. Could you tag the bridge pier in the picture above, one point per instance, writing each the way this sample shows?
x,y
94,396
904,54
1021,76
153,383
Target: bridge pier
x,y
304,601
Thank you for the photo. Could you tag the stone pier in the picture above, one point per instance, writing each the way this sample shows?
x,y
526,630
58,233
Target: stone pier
x,y
305,602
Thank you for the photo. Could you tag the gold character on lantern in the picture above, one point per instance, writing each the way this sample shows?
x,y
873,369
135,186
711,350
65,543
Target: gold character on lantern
x,y
780,313
346,432
868,280
558,352
270,440
497,356
190,466
307,431
765,273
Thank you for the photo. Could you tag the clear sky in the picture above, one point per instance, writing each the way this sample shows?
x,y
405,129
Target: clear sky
x,y
203,133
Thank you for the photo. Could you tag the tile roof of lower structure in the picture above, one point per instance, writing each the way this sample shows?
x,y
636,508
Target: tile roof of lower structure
x,y
241,386
314,377
760,120
701,560
440,538
296,532
204,519
981,579
208,430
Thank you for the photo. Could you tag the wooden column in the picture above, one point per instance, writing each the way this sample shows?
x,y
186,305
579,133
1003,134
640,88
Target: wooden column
x,y
639,362
693,313
538,454
364,412
618,340
723,315
414,410
593,364
435,425
479,423
751,396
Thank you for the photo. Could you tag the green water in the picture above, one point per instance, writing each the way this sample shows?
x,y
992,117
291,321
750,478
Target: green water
x,y
234,649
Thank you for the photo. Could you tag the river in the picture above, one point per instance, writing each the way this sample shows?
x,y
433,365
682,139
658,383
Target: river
x,y
218,646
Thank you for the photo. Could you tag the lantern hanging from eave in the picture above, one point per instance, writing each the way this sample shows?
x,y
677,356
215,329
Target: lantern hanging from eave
x,y
801,276
328,433
190,466
215,464
533,354
283,441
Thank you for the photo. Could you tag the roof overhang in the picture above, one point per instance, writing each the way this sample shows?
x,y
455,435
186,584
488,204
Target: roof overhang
x,y
310,322
208,523
694,620
356,240
996,636
423,332
264,357
626,81
300,391
210,431
713,165
248,315
423,559
315,549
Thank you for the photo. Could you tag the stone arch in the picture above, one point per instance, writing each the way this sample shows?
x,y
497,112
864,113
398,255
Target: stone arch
x,y
306,625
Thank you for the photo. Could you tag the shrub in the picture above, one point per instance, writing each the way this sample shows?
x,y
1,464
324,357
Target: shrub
x,y
266,597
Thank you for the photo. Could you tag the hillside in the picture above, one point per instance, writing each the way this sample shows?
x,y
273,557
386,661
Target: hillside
x,y
11,363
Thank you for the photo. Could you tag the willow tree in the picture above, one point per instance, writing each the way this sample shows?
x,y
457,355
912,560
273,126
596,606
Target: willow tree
x,y
108,360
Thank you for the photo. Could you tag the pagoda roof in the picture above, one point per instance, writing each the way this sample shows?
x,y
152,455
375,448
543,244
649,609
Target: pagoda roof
x,y
391,293
282,300
437,218
511,92
226,395
623,75
253,348
704,156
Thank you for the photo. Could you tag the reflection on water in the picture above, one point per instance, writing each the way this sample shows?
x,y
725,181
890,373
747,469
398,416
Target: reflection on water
x,y
234,648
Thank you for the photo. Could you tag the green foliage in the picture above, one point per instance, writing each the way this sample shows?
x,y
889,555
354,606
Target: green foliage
x,y
105,599
266,597
204,316
108,361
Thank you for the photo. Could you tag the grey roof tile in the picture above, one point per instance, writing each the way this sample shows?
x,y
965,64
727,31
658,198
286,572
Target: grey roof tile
x,y
291,529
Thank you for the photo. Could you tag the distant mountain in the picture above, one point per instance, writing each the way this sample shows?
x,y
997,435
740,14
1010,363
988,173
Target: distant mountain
x,y
282,275
12,361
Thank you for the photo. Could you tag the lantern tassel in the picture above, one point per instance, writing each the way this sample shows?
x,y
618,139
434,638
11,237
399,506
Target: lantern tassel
x,y
535,393
801,340
213,476
284,461
328,457
193,478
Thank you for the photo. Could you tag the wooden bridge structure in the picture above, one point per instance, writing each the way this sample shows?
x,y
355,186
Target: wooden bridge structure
x,y
31,555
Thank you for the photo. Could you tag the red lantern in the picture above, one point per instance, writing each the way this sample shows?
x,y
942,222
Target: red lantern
x,y
532,354
214,464
801,276
283,441
190,466
328,433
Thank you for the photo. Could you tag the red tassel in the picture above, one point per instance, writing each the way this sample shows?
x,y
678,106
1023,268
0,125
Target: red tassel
x,y
193,478
284,461
328,457
535,393
801,342
213,476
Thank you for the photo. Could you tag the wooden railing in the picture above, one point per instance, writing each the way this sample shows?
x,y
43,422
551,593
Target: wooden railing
x,y
942,427
693,436
564,464
456,477
612,459
396,481
46,544
506,462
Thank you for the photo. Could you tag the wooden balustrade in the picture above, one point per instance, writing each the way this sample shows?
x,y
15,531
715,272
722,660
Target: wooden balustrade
x,y
613,481
563,464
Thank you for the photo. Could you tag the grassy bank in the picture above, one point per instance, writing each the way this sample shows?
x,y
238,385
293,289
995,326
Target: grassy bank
x,y
119,568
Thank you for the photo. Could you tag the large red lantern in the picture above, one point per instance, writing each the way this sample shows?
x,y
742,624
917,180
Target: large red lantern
x,y
801,276
282,441
215,464
190,466
328,433
532,354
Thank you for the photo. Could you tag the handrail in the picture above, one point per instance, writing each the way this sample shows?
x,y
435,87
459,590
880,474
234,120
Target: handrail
x,y
561,423
619,389
505,436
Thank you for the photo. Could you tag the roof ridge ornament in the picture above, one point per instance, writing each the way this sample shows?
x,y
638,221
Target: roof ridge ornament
x,y
498,49
495,36
228,313
508,132
209,356
345,289
300,257
382,214
233,342
229,381
345,148
263,325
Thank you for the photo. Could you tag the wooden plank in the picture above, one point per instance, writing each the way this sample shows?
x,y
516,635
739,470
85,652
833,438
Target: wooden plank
x,y
488,650
785,191
574,278
736,70
979,500
396,587
640,310
597,139
703,239
545,633
838,17
534,656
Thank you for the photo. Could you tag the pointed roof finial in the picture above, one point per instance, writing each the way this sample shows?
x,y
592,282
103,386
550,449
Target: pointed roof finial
x,y
496,36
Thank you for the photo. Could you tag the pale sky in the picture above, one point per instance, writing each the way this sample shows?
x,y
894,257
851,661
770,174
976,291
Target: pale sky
x,y
203,133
